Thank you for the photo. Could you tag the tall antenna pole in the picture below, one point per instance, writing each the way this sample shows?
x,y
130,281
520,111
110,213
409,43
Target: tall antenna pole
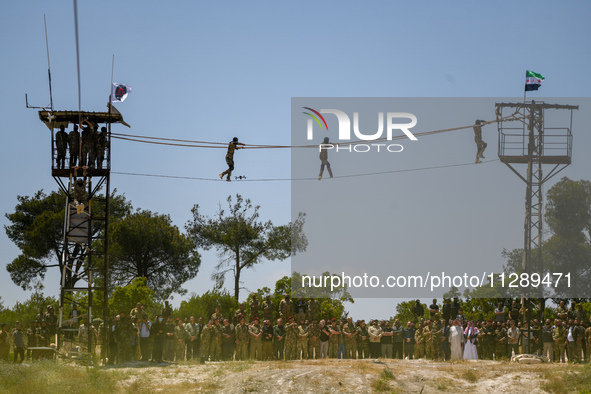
x,y
48,64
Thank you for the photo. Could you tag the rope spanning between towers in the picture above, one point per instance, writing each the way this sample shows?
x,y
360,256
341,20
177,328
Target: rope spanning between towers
x,y
223,145
302,179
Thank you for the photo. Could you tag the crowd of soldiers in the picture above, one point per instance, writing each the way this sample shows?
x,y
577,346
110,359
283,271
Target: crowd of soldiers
x,y
301,333
88,146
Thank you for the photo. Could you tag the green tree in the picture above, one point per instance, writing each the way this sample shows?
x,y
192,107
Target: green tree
x,y
125,298
204,305
36,227
26,312
148,245
242,240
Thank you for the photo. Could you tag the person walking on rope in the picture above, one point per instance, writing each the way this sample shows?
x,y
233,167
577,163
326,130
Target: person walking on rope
x,y
480,145
324,158
232,146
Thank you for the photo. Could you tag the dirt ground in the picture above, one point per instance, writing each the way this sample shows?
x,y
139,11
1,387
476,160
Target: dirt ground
x,y
354,376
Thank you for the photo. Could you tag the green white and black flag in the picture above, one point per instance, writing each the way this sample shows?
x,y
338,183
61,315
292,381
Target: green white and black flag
x,y
533,80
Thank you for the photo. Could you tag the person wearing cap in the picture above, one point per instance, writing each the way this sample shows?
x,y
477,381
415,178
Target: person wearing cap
x,y
256,340
232,146
279,340
242,339
291,339
362,340
313,340
268,308
286,307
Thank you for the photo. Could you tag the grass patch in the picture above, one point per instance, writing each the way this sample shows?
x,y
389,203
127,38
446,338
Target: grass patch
x,y
469,376
577,379
383,382
52,377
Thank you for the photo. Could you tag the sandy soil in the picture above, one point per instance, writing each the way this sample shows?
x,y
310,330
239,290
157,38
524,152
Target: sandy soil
x,y
341,376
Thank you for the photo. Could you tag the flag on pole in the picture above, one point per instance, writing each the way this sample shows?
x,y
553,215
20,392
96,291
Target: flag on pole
x,y
119,92
533,80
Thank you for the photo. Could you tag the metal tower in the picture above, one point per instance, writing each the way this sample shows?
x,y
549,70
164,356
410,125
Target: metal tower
x,y
81,174
534,145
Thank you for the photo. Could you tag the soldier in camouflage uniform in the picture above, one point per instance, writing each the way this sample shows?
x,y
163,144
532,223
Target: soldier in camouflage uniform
x,y
559,336
180,336
217,315
123,334
362,340
232,146
100,147
286,307
314,309
500,341
242,340
350,333
333,341
279,340
267,339
291,339
31,339
433,347
87,157
228,340
239,313
420,342
268,308
215,349
487,336
206,335
254,307
301,308
256,340
588,342
74,144
314,340
302,343
61,145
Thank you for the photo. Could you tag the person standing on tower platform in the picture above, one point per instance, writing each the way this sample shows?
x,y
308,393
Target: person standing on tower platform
x,y
61,145
232,146
480,145
100,147
87,144
74,143
324,158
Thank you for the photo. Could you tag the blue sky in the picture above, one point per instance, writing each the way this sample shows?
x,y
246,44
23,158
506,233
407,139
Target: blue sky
x,y
215,70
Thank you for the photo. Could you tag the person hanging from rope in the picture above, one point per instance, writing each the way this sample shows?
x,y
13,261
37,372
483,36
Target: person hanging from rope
x,y
324,147
232,146
480,144
80,195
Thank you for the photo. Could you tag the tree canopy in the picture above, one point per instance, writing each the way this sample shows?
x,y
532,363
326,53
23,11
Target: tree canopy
x,y
37,229
148,245
242,240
